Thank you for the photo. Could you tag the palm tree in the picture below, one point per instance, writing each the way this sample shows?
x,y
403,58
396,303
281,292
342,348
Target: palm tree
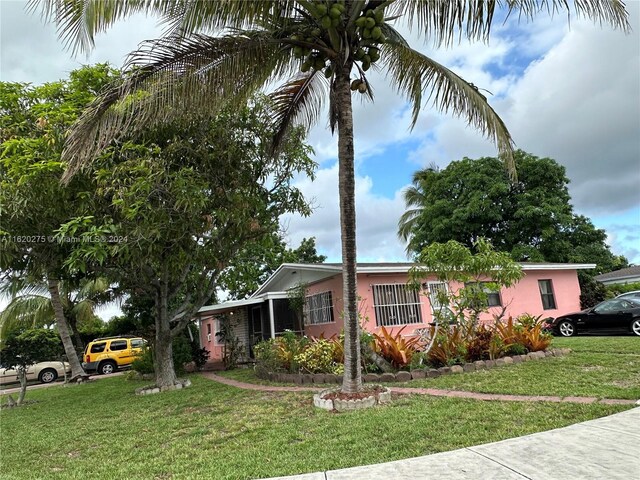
x,y
31,305
414,197
311,50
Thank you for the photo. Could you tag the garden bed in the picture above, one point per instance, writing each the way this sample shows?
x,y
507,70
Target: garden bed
x,y
404,376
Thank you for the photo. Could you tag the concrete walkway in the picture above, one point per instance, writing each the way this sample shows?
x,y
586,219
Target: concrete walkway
x,y
604,449
436,392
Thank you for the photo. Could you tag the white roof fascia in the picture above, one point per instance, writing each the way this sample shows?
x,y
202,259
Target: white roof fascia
x,y
396,269
242,303
559,266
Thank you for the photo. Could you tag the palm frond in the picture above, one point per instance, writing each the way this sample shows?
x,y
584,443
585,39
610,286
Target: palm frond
x,y
209,16
21,286
407,222
79,21
170,77
412,73
92,288
298,101
84,311
28,311
446,21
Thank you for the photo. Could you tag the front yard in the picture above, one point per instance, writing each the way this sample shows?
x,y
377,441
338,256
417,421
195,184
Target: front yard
x,y
212,431
602,367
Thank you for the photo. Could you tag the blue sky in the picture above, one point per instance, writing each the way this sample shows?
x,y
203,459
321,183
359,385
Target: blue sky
x,y
569,93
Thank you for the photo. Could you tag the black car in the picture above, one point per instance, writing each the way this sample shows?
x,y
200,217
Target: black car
x,y
617,314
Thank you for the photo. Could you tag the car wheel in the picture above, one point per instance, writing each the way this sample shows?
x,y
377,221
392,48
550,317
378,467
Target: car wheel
x,y
566,328
106,368
635,326
48,375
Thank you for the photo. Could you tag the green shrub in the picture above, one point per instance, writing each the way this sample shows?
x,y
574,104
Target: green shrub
x,y
419,360
515,349
287,347
181,353
618,288
318,357
266,356
143,363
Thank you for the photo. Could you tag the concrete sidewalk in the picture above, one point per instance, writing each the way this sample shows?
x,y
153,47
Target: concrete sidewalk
x,y
606,448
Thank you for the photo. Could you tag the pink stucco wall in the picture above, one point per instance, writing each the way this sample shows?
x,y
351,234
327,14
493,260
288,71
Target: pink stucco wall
x,y
524,297
209,341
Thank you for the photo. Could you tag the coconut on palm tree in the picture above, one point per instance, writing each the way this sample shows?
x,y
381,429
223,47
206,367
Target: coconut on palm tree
x,y
220,52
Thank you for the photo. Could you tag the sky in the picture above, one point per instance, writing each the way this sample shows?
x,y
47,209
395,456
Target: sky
x,y
569,90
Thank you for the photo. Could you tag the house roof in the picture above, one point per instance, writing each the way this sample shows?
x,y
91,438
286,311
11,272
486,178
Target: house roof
x,y
233,304
621,274
290,274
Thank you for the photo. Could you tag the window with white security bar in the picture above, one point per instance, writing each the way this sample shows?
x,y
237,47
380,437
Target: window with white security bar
x,y
318,309
396,304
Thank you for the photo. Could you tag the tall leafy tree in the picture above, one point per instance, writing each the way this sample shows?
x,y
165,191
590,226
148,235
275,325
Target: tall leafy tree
x,y
175,205
315,51
531,219
34,122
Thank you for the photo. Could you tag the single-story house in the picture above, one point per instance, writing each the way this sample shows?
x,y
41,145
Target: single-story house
x,y
547,289
622,276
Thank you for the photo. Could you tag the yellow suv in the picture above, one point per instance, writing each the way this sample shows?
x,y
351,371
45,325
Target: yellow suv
x,y
106,355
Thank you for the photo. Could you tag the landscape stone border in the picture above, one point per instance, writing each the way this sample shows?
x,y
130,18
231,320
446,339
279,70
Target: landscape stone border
x,y
346,405
151,389
403,376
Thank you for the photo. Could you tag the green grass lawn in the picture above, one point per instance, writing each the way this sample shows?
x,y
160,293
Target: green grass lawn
x,y
603,367
211,431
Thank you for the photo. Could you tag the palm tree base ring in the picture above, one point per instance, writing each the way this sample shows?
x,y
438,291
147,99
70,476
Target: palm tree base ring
x,y
332,399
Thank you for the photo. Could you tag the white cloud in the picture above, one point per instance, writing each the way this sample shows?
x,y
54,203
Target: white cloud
x,y
31,51
377,219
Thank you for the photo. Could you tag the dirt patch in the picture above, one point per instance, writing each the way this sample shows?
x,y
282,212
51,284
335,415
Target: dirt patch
x,y
365,393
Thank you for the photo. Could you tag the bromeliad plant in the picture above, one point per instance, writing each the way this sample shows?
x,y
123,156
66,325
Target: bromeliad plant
x,y
396,349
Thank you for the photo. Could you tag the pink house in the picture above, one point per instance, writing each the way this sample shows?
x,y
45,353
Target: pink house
x,y
547,289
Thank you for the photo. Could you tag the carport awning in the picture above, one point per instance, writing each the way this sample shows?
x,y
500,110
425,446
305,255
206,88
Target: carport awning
x,y
234,304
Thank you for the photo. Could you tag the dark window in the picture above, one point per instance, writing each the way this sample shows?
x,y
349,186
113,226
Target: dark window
x,y
493,296
118,345
98,347
396,304
546,294
137,343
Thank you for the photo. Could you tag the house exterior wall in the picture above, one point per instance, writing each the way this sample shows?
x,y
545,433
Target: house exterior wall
x,y
523,297
239,324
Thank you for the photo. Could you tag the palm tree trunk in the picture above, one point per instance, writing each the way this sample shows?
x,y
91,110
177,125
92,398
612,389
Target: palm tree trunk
x,y
77,339
22,375
352,381
63,330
